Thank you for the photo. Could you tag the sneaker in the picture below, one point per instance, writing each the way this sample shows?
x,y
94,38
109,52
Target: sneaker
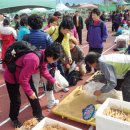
x,y
65,89
16,123
52,104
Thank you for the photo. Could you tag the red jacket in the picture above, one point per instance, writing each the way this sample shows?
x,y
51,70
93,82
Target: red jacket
x,y
29,65
7,40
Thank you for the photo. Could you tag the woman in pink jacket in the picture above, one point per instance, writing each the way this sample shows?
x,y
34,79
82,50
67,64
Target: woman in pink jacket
x,y
30,65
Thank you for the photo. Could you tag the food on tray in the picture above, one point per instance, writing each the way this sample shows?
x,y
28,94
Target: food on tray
x,y
117,114
54,127
98,77
29,124
79,91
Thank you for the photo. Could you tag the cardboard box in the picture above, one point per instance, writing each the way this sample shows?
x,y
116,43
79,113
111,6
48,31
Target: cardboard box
x,y
49,121
104,122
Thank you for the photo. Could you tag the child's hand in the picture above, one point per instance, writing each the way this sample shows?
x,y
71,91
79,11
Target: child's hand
x,y
70,61
68,66
77,68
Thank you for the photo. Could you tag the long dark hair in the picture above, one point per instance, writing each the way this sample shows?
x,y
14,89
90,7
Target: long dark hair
x,y
67,23
92,57
60,37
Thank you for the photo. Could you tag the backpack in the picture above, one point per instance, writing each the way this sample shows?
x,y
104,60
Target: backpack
x,y
73,77
15,51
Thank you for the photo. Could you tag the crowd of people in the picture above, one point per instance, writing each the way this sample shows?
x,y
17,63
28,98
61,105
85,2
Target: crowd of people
x,y
58,42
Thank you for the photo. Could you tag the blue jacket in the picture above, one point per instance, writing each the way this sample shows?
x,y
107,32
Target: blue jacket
x,y
97,34
38,38
22,31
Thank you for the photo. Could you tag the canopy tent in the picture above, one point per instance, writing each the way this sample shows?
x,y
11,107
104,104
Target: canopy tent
x,y
38,10
122,5
122,2
7,6
62,7
109,8
27,11
88,6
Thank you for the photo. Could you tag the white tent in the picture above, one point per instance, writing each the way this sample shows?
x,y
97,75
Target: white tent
x,y
62,7
27,11
39,10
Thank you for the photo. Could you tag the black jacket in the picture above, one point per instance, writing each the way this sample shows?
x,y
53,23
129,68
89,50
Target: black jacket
x,y
80,22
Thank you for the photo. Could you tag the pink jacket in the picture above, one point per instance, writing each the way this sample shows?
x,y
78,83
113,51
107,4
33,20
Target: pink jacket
x,y
29,65
74,32
46,27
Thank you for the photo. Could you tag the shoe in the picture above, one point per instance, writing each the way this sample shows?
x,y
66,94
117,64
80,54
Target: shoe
x,y
65,89
39,118
51,101
115,49
16,123
52,104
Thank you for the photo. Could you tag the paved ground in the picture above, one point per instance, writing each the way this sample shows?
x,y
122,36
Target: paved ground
x,y
25,113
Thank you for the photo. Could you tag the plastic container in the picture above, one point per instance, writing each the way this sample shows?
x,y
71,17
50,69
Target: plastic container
x,y
104,122
49,121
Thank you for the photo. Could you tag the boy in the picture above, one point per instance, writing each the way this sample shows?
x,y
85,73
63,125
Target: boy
x,y
77,57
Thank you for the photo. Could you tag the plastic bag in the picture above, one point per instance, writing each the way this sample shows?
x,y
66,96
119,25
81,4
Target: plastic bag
x,y
92,86
72,67
36,81
63,82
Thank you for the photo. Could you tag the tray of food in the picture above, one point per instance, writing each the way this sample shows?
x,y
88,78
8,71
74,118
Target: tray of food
x,y
72,107
51,124
115,114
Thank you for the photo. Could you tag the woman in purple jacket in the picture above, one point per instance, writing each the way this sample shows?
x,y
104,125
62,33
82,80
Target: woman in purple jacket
x,y
97,34
30,65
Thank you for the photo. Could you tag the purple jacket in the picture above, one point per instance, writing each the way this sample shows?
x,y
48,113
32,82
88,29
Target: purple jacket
x,y
29,65
97,34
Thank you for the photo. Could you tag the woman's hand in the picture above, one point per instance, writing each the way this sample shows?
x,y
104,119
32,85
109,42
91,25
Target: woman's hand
x,y
33,96
57,84
97,93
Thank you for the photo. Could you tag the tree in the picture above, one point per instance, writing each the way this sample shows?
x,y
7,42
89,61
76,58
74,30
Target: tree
x,y
73,4
67,4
